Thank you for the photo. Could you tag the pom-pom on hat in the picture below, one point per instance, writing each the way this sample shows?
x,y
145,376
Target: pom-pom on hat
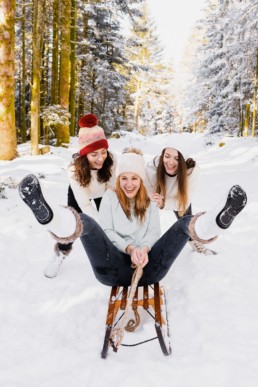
x,y
91,136
131,162
88,121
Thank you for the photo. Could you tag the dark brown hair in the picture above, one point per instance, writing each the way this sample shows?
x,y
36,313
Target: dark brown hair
x,y
82,170
183,166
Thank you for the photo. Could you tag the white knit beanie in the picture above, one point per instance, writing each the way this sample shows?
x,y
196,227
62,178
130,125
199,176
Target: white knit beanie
x,y
131,162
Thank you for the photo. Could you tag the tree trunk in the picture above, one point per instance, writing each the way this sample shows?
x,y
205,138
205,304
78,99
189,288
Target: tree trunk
x,y
64,135
8,142
247,119
81,102
23,79
73,68
54,75
44,88
255,96
137,105
241,123
36,74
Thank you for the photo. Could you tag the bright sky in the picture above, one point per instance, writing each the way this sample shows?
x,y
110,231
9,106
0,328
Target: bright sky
x,y
174,20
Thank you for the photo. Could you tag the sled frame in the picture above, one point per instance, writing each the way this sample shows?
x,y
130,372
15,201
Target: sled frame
x,y
118,301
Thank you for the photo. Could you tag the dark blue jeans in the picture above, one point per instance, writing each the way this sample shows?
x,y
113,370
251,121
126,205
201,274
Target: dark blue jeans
x,y
113,267
187,212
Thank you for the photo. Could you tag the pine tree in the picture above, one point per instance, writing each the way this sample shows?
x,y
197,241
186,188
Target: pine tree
x,y
101,54
55,45
148,85
224,67
38,30
65,50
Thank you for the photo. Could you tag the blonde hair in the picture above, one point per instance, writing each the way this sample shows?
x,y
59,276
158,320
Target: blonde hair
x,y
141,200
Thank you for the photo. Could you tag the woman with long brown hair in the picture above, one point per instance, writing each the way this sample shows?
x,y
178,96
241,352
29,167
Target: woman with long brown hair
x,y
92,171
90,174
171,181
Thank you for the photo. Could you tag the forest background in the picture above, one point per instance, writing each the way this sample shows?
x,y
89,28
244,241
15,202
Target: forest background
x,y
62,59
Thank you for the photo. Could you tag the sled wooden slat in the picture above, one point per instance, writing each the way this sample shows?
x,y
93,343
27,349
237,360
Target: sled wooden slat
x,y
111,305
157,302
159,320
145,297
142,298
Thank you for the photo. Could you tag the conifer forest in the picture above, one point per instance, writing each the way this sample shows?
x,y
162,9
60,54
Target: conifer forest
x,y
60,59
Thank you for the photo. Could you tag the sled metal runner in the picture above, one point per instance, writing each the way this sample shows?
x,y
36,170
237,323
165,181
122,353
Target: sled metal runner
x,y
118,301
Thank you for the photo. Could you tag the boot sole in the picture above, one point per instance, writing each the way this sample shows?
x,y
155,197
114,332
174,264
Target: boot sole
x,y
31,194
235,203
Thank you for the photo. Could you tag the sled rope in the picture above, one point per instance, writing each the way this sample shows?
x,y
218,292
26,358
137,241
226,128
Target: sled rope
x,y
117,334
133,324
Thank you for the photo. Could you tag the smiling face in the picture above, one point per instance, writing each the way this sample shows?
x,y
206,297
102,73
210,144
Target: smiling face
x,y
130,184
170,161
96,159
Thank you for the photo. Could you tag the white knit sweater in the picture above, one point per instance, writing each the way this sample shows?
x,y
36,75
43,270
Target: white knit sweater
x,y
171,184
123,232
83,195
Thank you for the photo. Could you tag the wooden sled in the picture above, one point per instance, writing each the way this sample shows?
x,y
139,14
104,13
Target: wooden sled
x,y
118,301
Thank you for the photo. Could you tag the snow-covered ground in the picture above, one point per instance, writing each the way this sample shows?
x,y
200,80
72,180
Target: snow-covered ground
x,y
51,331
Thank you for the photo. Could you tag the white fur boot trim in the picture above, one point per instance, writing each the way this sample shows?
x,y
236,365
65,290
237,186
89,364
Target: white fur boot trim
x,y
74,232
198,229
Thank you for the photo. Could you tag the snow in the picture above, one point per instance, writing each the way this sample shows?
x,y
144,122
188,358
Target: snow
x,y
52,331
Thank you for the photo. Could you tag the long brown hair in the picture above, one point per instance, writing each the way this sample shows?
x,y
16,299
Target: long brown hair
x,y
141,201
82,170
182,194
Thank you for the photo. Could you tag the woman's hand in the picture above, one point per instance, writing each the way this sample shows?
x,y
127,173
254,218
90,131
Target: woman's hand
x,y
158,198
139,256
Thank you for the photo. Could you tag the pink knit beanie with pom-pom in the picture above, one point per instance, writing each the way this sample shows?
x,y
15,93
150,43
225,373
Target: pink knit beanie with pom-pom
x,y
91,136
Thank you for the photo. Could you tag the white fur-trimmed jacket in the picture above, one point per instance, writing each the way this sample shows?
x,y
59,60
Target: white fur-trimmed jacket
x,y
84,195
171,202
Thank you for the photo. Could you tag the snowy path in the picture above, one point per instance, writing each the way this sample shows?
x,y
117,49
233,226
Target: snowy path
x,y
51,331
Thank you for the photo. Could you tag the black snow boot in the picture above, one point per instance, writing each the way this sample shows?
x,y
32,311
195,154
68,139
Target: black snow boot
x,y
31,194
236,201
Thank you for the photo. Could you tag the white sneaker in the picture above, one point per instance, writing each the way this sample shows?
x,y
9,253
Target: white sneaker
x,y
200,248
53,266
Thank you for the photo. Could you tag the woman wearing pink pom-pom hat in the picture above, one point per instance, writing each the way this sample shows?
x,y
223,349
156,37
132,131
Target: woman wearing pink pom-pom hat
x,y
90,174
